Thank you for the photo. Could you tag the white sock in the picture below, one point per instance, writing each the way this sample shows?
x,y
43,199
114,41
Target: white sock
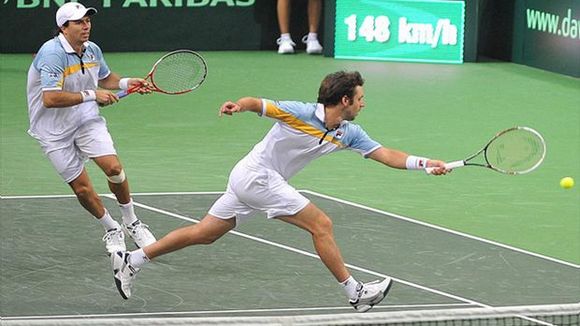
x,y
138,258
285,37
128,212
108,223
349,287
312,36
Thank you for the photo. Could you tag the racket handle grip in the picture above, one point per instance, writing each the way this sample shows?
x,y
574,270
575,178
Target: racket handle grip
x,y
122,93
126,92
454,164
448,166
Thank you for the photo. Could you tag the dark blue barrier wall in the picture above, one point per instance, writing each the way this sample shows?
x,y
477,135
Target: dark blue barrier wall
x,y
155,25
547,35
539,33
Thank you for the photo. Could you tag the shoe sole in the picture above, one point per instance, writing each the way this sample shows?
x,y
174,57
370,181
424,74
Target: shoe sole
x,y
116,270
120,288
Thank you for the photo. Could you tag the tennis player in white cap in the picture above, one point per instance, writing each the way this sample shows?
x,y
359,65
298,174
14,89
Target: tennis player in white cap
x,y
67,83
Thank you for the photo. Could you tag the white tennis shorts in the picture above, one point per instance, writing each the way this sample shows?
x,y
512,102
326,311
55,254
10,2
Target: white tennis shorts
x,y
250,191
68,156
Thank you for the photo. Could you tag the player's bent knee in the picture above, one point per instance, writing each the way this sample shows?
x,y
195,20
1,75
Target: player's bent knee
x,y
327,225
85,192
82,191
323,226
117,179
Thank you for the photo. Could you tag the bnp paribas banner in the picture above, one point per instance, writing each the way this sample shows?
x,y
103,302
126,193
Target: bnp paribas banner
x,y
146,25
547,35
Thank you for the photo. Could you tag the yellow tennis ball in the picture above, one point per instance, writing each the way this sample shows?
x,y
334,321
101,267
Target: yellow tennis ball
x,y
567,182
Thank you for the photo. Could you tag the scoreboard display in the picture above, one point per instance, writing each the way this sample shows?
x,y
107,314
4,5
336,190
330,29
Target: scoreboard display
x,y
400,30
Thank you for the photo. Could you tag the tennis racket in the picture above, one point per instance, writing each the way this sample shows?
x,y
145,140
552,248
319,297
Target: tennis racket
x,y
516,150
176,72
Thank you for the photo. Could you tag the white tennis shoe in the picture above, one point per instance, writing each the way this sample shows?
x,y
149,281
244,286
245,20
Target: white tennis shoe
x,y
285,46
123,272
140,234
312,45
114,241
370,294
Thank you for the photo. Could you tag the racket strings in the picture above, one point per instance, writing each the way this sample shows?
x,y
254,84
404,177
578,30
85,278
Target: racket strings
x,y
516,151
179,72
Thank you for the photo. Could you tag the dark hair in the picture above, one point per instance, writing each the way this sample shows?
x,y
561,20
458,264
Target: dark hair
x,y
336,85
57,30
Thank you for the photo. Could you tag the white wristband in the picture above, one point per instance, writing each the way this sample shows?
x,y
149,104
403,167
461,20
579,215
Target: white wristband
x,y
124,83
416,162
89,95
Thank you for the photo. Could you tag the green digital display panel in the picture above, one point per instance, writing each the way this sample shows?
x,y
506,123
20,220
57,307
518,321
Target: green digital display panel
x,y
400,30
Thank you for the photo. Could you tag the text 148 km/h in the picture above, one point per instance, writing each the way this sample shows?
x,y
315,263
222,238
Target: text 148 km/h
x,y
377,29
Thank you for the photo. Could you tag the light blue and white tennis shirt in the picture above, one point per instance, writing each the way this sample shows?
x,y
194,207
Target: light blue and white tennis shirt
x,y
294,141
57,67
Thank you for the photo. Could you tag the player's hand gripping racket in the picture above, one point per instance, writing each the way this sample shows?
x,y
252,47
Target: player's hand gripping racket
x,y
176,72
516,150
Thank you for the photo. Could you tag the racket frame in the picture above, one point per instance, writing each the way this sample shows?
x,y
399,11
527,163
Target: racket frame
x,y
465,162
150,76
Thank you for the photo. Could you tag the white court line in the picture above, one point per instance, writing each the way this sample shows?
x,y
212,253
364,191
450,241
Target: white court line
x,y
37,197
133,193
236,311
401,217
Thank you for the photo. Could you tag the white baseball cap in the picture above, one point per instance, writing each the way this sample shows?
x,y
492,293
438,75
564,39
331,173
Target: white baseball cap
x,y
72,11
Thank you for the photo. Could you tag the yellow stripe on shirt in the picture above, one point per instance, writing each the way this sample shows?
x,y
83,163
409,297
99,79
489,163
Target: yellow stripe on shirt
x,y
275,112
76,68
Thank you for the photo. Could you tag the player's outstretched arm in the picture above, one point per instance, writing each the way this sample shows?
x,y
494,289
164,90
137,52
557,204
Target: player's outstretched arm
x,y
242,105
390,157
398,160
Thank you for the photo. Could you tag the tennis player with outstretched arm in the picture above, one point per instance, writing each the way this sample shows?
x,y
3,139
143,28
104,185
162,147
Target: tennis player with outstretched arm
x,y
259,182
63,106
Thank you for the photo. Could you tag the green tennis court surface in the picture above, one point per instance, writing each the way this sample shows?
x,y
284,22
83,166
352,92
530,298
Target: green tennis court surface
x,y
55,267
53,262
